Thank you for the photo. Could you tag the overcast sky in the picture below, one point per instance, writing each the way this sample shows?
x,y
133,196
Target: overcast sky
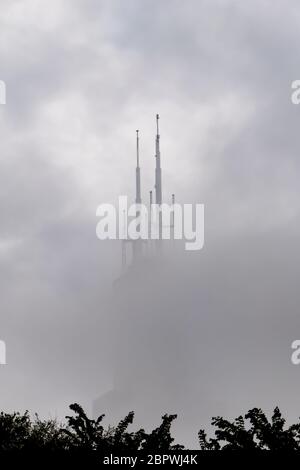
x,y
81,77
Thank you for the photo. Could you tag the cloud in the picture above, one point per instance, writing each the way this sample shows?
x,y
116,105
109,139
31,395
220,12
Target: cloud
x,y
80,79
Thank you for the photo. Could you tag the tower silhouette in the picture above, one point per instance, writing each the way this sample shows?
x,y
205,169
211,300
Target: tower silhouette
x,y
142,364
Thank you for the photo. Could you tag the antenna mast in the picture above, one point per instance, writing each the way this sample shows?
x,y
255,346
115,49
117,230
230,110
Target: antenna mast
x,y
138,198
158,185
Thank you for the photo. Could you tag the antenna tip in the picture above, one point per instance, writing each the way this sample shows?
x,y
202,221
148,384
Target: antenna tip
x,y
157,116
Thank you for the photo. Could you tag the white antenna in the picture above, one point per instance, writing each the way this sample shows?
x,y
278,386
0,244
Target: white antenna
x,y
138,198
158,185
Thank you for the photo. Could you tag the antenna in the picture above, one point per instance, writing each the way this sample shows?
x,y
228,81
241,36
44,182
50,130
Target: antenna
x,y
137,149
138,198
158,185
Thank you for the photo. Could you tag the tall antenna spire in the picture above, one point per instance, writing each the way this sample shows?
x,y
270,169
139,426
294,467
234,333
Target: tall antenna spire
x,y
158,185
158,189
137,149
138,198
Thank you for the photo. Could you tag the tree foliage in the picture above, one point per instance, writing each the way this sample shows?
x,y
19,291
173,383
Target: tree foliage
x,y
19,431
90,434
259,434
254,431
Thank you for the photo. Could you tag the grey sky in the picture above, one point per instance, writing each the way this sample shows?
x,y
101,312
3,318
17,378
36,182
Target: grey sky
x,y
81,76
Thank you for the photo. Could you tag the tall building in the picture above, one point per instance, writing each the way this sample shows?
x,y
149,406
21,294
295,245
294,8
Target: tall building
x,y
160,357
143,342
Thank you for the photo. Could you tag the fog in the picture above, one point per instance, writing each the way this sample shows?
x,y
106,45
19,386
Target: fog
x,y
205,332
